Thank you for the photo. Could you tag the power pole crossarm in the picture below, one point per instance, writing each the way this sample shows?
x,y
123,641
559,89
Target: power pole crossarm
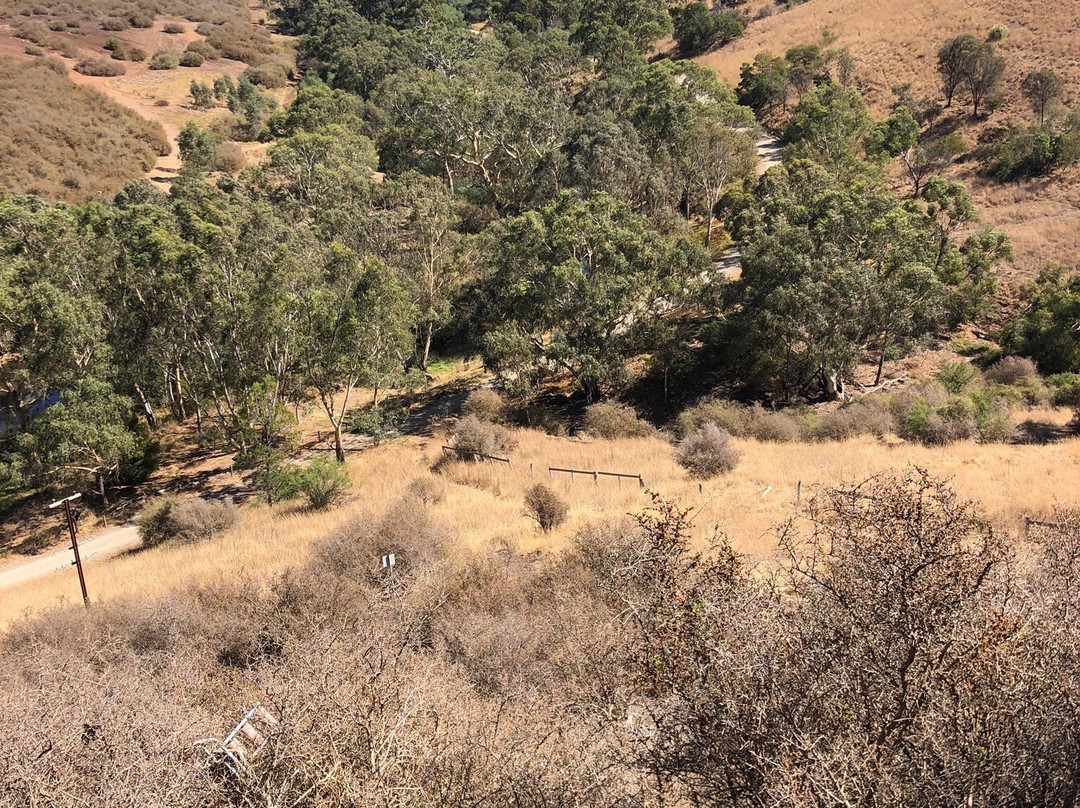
x,y
66,502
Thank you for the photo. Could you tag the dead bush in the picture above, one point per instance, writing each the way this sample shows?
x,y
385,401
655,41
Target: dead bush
x,y
475,437
611,420
169,519
739,420
99,67
201,519
1012,370
428,490
864,417
707,452
546,507
231,157
269,75
485,404
165,60
202,48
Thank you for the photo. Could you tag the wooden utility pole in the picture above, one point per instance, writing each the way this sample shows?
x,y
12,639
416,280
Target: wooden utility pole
x,y
66,502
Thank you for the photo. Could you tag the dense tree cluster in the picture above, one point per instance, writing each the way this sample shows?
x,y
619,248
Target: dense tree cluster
x,y
534,190
899,654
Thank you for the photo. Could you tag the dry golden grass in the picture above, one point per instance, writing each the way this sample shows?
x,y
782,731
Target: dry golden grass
x,y
483,504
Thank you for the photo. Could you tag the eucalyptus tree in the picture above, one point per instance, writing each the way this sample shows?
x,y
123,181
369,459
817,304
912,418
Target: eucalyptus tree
x,y
575,287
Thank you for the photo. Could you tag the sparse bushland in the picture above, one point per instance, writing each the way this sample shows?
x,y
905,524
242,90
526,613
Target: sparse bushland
x,y
101,145
630,668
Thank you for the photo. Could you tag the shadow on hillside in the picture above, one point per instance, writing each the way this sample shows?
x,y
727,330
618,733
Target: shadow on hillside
x,y
1041,433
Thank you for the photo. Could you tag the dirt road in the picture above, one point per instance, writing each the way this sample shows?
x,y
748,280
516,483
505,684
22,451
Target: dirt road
x,y
93,548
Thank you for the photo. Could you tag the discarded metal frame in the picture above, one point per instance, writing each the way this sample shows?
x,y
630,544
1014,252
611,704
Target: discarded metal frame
x,y
247,739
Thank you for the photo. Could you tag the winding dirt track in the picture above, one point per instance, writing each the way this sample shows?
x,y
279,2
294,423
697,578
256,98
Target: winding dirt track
x,y
96,547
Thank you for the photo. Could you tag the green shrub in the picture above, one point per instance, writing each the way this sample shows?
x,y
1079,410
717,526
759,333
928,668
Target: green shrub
x,y
113,43
165,60
378,423
485,404
33,50
1064,389
955,376
154,521
324,482
997,33
707,452
993,418
191,59
545,506
611,420
99,67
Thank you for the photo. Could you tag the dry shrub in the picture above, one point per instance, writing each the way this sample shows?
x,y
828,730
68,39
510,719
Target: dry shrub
x,y
165,60
1012,370
174,28
99,67
428,490
269,75
191,59
201,519
406,529
546,507
612,420
231,157
707,452
168,519
475,437
739,420
142,19
541,417
203,49
114,24
867,416
485,404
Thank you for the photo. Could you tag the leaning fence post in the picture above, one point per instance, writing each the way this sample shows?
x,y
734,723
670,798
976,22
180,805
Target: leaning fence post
x,y
641,481
798,493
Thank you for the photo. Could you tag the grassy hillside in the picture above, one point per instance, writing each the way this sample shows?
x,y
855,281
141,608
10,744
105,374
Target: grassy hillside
x,y
92,147
897,43
484,504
